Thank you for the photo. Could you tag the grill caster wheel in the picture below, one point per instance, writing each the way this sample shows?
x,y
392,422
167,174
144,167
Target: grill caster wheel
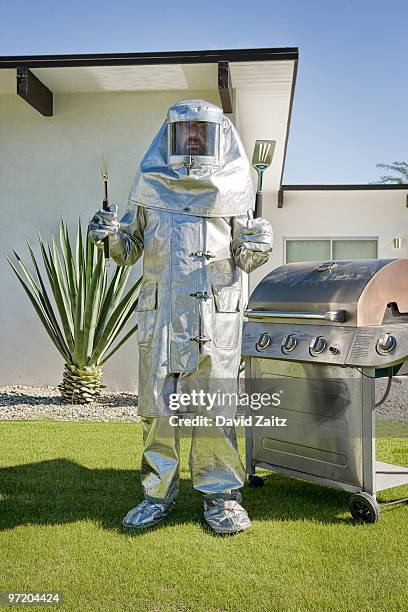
x,y
365,507
255,481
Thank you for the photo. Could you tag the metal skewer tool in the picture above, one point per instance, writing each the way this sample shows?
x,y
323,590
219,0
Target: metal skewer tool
x,y
104,173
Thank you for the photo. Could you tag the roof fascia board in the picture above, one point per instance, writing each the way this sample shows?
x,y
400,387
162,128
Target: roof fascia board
x,y
168,57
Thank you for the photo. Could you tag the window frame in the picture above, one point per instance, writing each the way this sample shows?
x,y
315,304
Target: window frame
x,y
331,239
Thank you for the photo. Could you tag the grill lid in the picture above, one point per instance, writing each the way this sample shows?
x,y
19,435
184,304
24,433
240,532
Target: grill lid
x,y
347,292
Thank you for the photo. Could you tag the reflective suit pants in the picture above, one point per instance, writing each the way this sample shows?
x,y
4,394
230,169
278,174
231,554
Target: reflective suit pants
x,y
215,466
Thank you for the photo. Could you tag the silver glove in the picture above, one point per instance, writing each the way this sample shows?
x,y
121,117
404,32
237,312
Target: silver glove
x,y
104,223
257,235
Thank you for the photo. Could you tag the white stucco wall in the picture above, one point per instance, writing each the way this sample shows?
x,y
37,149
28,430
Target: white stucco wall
x,y
337,214
50,167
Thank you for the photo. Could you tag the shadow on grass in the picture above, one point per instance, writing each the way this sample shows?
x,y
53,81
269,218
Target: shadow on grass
x,y
60,491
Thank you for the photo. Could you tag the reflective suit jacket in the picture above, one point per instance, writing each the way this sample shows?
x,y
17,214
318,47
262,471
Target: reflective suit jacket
x,y
190,306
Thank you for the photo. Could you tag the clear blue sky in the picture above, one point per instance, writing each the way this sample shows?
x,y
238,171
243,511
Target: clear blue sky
x,y
352,89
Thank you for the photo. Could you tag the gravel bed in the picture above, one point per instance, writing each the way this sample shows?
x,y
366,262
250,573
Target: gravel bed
x,y
18,402
395,407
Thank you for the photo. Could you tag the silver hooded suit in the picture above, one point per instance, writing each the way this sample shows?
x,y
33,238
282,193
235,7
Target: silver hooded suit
x,y
187,224
192,221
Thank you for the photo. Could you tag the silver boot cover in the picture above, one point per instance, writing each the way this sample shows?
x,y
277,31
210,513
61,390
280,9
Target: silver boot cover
x,y
226,516
146,514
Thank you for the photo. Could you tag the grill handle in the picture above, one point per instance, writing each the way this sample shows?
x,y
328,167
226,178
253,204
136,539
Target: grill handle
x,y
338,316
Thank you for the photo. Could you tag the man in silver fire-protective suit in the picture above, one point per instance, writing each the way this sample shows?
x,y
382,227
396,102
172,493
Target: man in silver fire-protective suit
x,y
190,212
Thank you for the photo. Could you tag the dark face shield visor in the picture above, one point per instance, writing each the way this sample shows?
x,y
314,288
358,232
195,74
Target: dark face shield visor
x,y
197,141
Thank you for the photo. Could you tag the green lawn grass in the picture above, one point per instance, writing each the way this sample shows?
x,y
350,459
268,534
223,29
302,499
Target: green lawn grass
x,y
64,488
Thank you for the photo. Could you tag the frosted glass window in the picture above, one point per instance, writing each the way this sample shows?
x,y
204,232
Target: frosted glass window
x,y
354,249
307,250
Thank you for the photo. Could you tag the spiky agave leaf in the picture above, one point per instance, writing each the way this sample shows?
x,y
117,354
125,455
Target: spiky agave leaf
x,y
111,299
47,304
115,323
69,263
42,313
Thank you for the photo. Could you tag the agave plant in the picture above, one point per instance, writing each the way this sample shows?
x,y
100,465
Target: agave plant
x,y
91,310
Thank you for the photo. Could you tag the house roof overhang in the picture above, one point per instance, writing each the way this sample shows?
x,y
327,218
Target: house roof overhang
x,y
258,84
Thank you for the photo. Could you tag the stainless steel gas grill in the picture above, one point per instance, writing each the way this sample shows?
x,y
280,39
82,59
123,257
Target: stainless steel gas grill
x,y
318,334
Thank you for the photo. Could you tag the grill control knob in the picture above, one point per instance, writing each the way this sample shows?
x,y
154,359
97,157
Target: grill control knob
x,y
386,343
317,345
289,342
264,341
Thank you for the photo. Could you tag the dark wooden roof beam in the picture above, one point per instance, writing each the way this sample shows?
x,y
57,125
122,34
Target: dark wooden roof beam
x,y
225,87
33,91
